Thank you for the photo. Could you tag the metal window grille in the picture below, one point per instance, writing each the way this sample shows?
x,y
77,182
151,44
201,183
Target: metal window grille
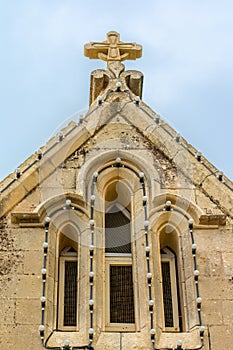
x,y
117,233
167,295
70,294
121,294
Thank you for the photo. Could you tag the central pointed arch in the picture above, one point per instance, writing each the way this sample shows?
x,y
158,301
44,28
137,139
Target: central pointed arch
x,y
118,254
117,218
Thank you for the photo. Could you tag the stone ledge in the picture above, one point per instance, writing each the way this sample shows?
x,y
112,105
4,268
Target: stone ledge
x,y
218,220
29,218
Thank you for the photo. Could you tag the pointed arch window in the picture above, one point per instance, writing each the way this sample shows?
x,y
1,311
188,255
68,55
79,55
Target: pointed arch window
x,y
171,305
68,289
120,313
117,230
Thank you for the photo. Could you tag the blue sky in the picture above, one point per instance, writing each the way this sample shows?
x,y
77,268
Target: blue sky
x,y
187,62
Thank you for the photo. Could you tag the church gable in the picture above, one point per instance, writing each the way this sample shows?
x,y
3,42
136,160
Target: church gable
x,y
168,158
117,121
117,233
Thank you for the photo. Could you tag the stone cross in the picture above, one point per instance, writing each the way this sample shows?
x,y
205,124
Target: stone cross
x,y
112,49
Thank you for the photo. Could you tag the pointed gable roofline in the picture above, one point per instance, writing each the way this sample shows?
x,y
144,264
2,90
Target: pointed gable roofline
x,y
37,168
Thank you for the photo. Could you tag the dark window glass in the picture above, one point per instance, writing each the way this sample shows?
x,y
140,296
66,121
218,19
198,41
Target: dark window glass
x,y
117,232
121,294
167,294
70,294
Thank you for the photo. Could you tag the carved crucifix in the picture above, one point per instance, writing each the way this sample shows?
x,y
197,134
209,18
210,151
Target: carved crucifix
x,y
112,49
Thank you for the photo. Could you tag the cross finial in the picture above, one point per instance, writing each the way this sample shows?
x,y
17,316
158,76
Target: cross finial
x,y
112,49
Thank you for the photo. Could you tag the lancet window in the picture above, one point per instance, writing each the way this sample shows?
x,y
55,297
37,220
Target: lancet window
x,y
170,278
120,308
67,303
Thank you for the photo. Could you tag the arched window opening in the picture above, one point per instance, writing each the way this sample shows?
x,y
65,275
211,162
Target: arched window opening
x,y
119,271
67,286
117,230
173,319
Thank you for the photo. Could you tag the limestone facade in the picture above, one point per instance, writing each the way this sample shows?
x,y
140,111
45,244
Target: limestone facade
x,y
121,153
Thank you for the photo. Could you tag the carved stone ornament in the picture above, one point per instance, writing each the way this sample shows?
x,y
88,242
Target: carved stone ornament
x,y
114,51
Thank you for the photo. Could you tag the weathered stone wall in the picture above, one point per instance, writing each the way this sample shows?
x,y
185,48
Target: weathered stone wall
x,y
215,260
22,235
20,286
